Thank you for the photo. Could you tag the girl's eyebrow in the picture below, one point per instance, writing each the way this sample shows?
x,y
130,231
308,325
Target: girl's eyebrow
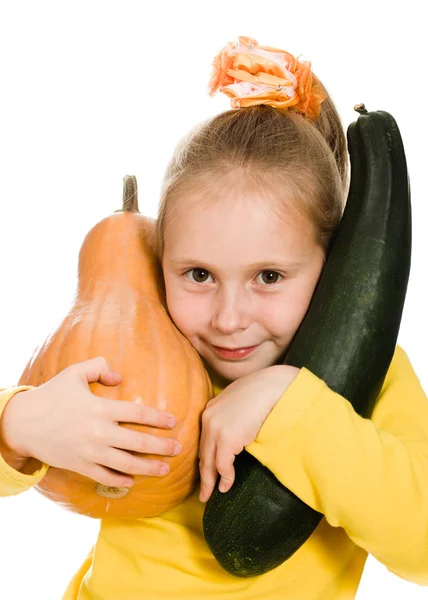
x,y
287,265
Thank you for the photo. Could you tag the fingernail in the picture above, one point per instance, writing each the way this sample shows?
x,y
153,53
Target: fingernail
x,y
171,422
164,469
223,486
177,448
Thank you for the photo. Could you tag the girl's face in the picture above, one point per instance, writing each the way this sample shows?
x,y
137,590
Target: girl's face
x,y
237,278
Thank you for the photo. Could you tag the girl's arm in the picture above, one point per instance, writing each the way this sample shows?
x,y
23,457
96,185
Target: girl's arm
x,y
63,424
369,476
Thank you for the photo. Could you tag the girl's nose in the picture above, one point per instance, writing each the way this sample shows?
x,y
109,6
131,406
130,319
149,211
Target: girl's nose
x,y
231,310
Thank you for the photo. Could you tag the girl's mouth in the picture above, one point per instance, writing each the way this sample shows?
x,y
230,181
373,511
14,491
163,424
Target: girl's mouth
x,y
234,352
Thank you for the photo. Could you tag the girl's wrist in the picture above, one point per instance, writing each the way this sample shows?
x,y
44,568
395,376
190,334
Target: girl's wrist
x,y
11,446
280,378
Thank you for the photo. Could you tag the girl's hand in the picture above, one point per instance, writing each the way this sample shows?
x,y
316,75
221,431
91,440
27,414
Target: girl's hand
x,y
233,419
63,424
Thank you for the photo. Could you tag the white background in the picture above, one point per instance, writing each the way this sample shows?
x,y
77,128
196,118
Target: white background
x,y
92,91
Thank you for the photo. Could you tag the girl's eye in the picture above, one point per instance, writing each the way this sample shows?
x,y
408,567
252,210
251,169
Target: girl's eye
x,y
198,275
270,277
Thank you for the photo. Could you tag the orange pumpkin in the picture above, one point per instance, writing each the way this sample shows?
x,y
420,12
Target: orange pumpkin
x,y
119,312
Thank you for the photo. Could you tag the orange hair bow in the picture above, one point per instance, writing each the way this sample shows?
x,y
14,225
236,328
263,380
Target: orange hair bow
x,y
251,74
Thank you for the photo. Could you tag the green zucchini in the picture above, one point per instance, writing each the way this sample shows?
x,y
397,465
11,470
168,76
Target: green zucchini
x,y
347,338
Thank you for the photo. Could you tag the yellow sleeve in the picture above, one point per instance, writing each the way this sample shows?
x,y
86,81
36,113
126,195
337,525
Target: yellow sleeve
x,y
14,482
369,476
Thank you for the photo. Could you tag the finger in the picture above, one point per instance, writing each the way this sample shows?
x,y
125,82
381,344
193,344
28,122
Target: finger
x,y
144,443
224,463
135,412
134,465
207,468
106,476
98,369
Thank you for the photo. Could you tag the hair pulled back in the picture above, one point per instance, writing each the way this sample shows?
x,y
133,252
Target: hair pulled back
x,y
295,162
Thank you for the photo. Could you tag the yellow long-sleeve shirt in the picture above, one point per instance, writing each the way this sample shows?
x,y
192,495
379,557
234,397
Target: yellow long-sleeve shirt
x,y
368,477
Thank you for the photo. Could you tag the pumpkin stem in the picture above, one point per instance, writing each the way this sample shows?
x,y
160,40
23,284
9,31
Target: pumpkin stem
x,y
360,108
130,194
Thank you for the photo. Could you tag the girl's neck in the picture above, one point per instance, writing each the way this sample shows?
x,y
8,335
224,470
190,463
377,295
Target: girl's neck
x,y
217,380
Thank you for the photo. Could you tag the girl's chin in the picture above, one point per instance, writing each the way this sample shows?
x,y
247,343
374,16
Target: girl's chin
x,y
222,374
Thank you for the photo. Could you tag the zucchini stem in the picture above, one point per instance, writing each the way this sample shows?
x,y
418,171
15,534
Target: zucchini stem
x,y
360,108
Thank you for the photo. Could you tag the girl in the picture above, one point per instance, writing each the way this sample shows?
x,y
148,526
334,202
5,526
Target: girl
x,y
250,202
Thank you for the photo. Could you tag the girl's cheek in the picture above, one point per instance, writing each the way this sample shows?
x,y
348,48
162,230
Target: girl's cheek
x,y
284,316
187,312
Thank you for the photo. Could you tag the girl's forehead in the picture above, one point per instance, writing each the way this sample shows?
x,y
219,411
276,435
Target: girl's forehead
x,y
245,220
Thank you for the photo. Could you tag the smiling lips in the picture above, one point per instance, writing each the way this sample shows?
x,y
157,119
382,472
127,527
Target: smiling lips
x,y
234,352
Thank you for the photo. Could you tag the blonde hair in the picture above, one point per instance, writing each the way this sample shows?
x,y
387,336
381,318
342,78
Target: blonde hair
x,y
290,159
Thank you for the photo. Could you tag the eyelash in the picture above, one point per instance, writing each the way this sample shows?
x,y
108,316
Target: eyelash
x,y
261,272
